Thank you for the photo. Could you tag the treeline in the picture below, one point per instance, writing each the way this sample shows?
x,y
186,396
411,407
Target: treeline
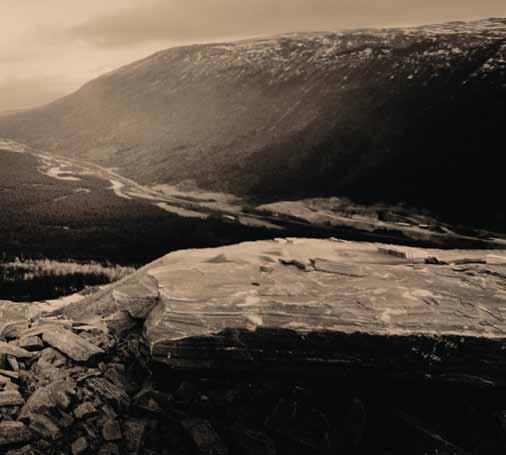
x,y
29,280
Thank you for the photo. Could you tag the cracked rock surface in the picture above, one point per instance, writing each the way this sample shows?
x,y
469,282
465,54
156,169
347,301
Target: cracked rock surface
x,y
285,346
308,285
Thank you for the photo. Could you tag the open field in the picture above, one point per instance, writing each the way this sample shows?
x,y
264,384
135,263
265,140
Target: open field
x,y
45,279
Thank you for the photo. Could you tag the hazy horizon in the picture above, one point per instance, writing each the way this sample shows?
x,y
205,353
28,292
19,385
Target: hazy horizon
x,y
50,49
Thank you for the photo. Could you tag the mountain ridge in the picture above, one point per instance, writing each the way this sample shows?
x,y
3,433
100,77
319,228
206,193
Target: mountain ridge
x,y
373,114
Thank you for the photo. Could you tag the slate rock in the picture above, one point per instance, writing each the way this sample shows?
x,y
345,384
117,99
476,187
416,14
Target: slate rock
x,y
111,430
138,299
109,448
13,328
31,343
11,398
4,380
120,322
300,422
13,433
79,446
26,450
45,427
9,374
134,433
252,442
149,400
13,363
204,437
10,386
14,351
110,392
63,419
85,410
51,358
58,394
70,344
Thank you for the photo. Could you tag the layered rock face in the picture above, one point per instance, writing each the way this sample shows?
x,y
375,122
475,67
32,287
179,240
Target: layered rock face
x,y
310,285
275,347
371,113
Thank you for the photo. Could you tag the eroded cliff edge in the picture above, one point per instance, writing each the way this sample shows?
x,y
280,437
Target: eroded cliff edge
x,y
285,346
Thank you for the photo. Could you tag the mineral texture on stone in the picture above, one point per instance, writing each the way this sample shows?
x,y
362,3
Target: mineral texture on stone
x,y
290,346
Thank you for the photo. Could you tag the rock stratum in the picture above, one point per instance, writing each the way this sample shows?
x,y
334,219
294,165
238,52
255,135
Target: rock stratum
x,y
413,115
284,346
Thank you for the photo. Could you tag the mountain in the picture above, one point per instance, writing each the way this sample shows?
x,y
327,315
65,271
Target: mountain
x,y
413,115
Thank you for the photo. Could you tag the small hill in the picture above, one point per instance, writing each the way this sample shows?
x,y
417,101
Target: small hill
x,y
414,115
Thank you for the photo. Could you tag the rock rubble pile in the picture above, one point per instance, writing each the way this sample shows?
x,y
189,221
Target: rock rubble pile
x,y
68,388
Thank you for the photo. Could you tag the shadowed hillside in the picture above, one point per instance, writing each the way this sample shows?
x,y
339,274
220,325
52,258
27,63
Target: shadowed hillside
x,y
414,115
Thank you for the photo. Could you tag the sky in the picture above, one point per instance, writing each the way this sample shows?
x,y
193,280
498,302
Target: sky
x,y
49,48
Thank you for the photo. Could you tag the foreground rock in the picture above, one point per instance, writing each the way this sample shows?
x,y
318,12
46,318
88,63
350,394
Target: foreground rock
x,y
289,346
13,433
58,399
275,301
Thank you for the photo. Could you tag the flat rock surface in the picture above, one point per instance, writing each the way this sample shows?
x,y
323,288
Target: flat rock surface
x,y
344,286
70,344
309,285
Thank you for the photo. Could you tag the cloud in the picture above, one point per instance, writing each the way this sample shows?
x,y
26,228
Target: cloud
x,y
198,20
16,57
19,93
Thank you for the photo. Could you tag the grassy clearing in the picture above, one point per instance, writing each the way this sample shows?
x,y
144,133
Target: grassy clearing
x,y
29,280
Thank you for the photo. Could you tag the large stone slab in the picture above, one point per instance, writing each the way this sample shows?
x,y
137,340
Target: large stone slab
x,y
325,285
303,299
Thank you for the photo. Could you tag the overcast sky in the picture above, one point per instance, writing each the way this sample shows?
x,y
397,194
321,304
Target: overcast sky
x,y
49,48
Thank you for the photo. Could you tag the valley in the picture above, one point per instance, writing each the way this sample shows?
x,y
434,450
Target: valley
x,y
62,209
77,214
368,114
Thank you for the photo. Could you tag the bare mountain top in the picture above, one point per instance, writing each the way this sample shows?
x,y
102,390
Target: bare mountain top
x,y
412,114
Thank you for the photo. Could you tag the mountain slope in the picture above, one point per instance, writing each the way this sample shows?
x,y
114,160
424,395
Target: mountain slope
x,y
413,115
